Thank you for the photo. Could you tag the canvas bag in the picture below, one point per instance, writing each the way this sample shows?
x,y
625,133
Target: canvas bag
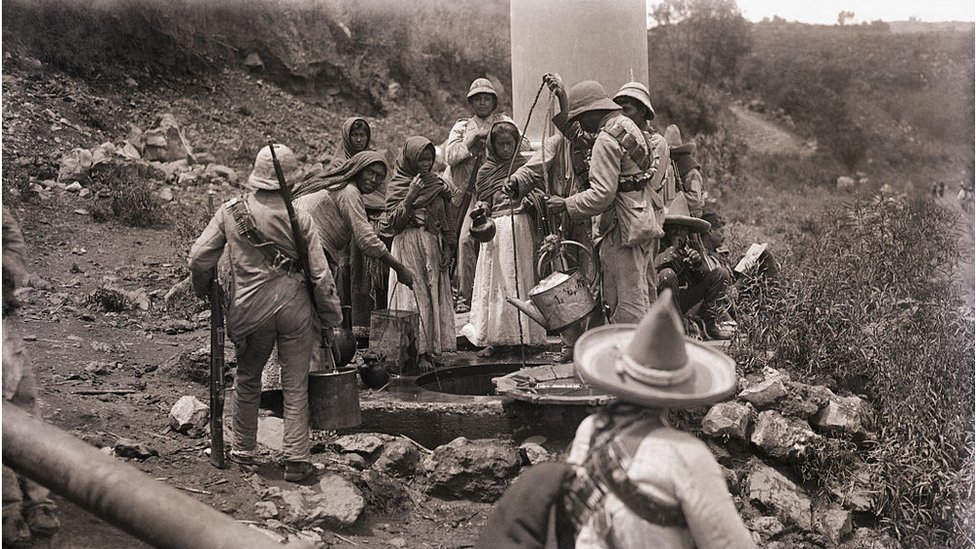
x,y
638,222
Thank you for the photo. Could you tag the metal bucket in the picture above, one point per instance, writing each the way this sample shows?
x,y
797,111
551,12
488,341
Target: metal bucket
x,y
562,297
333,400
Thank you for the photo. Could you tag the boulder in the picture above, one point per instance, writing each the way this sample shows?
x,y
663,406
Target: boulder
x,y
253,61
399,458
850,415
265,510
75,166
532,453
337,503
364,444
271,432
104,152
765,392
474,469
859,493
803,400
771,490
729,419
187,413
766,527
165,142
845,182
127,448
219,171
834,524
782,438
174,169
294,508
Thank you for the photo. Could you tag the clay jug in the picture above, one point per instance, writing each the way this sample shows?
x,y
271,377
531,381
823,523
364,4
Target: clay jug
x,y
482,226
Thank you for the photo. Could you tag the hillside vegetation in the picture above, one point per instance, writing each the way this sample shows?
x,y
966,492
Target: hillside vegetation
x,y
870,300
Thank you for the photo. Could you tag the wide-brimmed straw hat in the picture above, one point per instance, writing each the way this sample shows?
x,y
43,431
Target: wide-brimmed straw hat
x,y
589,95
672,134
653,364
481,85
638,91
263,175
678,214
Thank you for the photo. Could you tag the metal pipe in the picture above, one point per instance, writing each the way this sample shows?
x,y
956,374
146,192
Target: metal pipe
x,y
119,493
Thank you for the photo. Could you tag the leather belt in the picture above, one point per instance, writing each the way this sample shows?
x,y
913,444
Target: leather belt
x,y
630,185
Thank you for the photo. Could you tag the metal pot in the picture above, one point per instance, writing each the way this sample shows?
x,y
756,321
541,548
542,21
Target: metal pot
x,y
333,400
560,299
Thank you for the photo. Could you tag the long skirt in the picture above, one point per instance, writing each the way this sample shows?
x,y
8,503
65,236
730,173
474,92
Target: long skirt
x,y
420,251
493,320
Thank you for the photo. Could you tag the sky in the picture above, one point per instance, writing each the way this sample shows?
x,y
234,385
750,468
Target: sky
x,y
825,11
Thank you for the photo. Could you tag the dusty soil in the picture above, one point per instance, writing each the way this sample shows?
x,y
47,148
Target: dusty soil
x,y
69,255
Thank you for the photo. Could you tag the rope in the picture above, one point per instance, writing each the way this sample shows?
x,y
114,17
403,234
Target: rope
x,y
511,208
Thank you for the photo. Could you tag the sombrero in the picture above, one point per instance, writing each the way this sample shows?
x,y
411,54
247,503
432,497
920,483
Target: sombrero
x,y
653,364
678,214
672,134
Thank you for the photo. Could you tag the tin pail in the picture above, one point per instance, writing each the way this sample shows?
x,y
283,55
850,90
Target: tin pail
x,y
333,400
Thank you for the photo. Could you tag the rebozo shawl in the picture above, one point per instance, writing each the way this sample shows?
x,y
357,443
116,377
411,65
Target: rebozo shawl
x,y
405,168
343,150
340,176
494,173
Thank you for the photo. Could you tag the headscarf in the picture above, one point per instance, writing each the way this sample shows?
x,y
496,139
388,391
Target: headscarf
x,y
340,176
494,173
405,168
343,150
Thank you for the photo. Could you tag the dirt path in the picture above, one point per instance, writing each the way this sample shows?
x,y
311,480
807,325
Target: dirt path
x,y
766,137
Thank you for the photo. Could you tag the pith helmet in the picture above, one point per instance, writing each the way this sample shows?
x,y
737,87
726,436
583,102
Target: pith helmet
x,y
638,91
587,96
263,175
672,134
481,85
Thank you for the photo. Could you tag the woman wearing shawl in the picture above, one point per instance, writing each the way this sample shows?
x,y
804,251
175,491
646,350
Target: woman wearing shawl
x,y
337,208
423,239
493,322
365,275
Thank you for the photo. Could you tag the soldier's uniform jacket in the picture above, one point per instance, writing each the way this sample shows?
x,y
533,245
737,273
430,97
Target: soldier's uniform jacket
x,y
621,166
259,287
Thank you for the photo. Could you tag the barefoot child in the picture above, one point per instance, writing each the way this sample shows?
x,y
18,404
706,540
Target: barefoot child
x,y
494,323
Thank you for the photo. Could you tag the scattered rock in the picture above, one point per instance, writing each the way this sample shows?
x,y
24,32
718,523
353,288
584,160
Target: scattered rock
x,y
850,415
845,182
532,453
767,527
127,448
773,491
338,503
99,368
74,187
399,543
474,469
835,524
765,392
729,419
271,431
104,153
780,437
165,142
166,194
178,325
187,413
266,510
364,444
399,458
111,298
253,61
75,166
859,494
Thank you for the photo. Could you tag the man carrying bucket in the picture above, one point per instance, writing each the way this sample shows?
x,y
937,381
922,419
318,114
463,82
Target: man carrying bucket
x,y
270,304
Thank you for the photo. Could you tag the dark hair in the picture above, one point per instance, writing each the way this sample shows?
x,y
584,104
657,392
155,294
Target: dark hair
x,y
360,125
716,220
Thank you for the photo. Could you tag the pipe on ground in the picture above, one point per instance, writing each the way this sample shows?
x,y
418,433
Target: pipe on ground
x,y
119,493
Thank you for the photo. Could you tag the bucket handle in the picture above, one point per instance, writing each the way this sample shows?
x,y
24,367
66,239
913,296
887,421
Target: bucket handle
x,y
546,258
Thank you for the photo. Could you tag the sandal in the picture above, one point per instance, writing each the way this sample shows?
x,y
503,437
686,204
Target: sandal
x,y
243,457
42,519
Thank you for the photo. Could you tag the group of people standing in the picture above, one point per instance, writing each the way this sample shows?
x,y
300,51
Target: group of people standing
x,y
388,237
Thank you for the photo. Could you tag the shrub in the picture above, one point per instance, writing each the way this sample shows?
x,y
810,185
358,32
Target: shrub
x,y
122,192
871,305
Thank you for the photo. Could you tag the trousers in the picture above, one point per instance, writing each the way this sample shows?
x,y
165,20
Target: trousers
x,y
709,291
291,328
467,257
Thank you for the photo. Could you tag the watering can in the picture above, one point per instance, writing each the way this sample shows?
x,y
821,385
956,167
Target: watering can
x,y
560,299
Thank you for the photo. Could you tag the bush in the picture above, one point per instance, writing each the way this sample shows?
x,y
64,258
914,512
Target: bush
x,y
871,305
122,192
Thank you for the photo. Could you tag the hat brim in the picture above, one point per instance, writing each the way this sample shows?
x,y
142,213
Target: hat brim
x,y
476,91
262,183
685,148
605,104
636,96
598,350
696,223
